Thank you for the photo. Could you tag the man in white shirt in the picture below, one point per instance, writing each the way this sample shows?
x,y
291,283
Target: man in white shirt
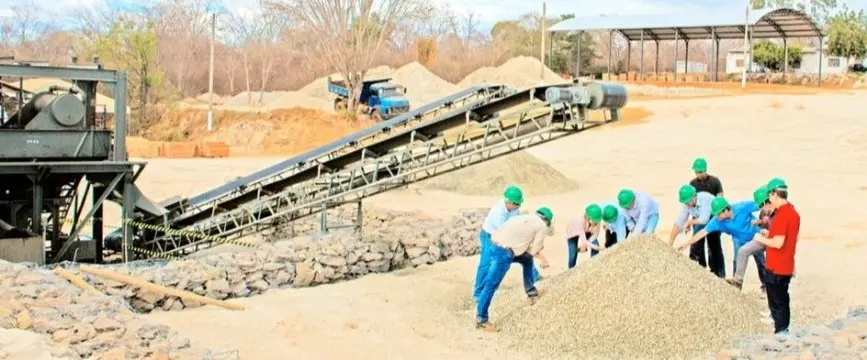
x,y
520,235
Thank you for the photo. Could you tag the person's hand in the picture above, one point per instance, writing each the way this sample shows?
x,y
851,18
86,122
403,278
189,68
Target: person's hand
x,y
543,263
765,232
681,247
687,228
582,247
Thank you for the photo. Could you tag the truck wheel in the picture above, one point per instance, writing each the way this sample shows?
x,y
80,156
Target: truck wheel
x,y
375,116
339,105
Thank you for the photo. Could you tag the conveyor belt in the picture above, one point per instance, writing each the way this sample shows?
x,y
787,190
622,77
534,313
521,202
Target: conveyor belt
x,y
304,167
513,122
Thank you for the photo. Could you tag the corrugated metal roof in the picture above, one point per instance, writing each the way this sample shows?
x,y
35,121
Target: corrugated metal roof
x,y
766,23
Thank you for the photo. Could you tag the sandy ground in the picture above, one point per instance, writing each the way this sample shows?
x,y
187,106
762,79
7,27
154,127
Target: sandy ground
x,y
818,143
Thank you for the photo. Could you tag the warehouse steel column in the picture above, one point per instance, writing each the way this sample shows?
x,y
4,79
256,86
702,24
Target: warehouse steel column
x,y
628,57
610,46
641,58
656,64
714,63
676,52
821,59
685,59
578,55
785,59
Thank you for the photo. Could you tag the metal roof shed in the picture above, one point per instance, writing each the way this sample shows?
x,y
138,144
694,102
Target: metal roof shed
x,y
782,23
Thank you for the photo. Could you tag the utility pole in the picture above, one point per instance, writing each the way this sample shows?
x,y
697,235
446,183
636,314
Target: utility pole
x,y
746,45
542,50
211,75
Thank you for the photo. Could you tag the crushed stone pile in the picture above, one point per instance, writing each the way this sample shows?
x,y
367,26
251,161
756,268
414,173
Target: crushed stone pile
x,y
390,241
638,300
319,88
252,98
844,338
422,85
84,324
519,72
491,177
206,97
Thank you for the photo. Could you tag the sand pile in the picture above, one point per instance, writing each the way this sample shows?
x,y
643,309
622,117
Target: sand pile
x,y
422,85
252,98
639,300
518,72
277,132
295,99
206,97
319,89
491,177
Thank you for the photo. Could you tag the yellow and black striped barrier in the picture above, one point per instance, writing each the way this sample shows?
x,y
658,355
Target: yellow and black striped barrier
x,y
169,231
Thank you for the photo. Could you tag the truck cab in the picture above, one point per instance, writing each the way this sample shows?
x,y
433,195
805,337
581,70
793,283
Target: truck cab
x,y
379,98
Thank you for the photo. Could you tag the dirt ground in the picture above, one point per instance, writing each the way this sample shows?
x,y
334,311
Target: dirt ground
x,y
817,143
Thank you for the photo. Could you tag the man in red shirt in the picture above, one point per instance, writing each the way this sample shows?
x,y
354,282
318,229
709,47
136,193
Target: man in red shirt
x,y
780,241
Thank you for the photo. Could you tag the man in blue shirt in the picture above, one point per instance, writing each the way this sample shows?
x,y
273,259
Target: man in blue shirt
x,y
615,217
737,221
641,210
504,209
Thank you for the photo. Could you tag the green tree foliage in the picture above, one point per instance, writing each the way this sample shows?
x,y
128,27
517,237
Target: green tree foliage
x,y
131,46
772,56
523,37
847,34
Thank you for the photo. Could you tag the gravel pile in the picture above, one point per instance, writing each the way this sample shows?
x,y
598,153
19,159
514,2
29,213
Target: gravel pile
x,y
390,241
491,177
845,338
81,324
639,300
422,86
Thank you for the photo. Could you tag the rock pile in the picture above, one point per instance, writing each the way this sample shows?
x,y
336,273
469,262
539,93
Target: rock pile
x,y
389,241
845,338
638,300
80,324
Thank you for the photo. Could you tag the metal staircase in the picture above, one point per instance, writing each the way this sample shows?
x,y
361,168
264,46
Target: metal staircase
x,y
498,123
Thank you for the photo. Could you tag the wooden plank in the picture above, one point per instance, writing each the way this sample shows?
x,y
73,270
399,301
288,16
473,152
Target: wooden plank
x,y
144,284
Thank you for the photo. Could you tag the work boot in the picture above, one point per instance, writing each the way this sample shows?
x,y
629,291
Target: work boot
x,y
737,284
486,326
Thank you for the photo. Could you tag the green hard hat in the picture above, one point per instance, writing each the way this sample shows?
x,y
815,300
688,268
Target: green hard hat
x,y
514,195
594,213
760,195
625,198
609,214
776,183
686,193
699,165
546,212
718,204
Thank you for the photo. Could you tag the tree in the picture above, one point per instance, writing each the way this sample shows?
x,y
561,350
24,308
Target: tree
x,y
258,33
184,29
772,56
564,50
350,33
847,36
820,10
130,44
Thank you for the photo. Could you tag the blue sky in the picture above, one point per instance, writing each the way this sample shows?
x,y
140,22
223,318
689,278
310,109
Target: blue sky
x,y
490,11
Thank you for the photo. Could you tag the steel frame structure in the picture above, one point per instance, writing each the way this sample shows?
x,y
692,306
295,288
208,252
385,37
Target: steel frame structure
x,y
54,186
520,124
259,188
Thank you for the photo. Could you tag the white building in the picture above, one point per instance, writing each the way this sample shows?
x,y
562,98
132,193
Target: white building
x,y
735,61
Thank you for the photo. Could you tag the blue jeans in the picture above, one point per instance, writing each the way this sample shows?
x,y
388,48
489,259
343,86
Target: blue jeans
x,y
652,222
572,243
500,259
759,257
485,261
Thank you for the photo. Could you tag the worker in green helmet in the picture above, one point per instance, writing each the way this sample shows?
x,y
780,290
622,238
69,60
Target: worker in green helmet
x,y
715,259
504,209
735,220
582,233
642,211
521,237
694,214
617,226
752,247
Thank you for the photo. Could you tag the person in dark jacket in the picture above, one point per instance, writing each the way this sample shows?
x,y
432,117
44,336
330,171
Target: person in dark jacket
x,y
704,182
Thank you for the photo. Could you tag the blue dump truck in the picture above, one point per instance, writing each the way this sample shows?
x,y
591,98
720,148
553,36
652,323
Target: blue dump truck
x,y
379,98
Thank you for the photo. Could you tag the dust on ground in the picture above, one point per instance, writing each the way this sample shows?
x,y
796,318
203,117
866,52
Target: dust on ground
x,y
424,313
